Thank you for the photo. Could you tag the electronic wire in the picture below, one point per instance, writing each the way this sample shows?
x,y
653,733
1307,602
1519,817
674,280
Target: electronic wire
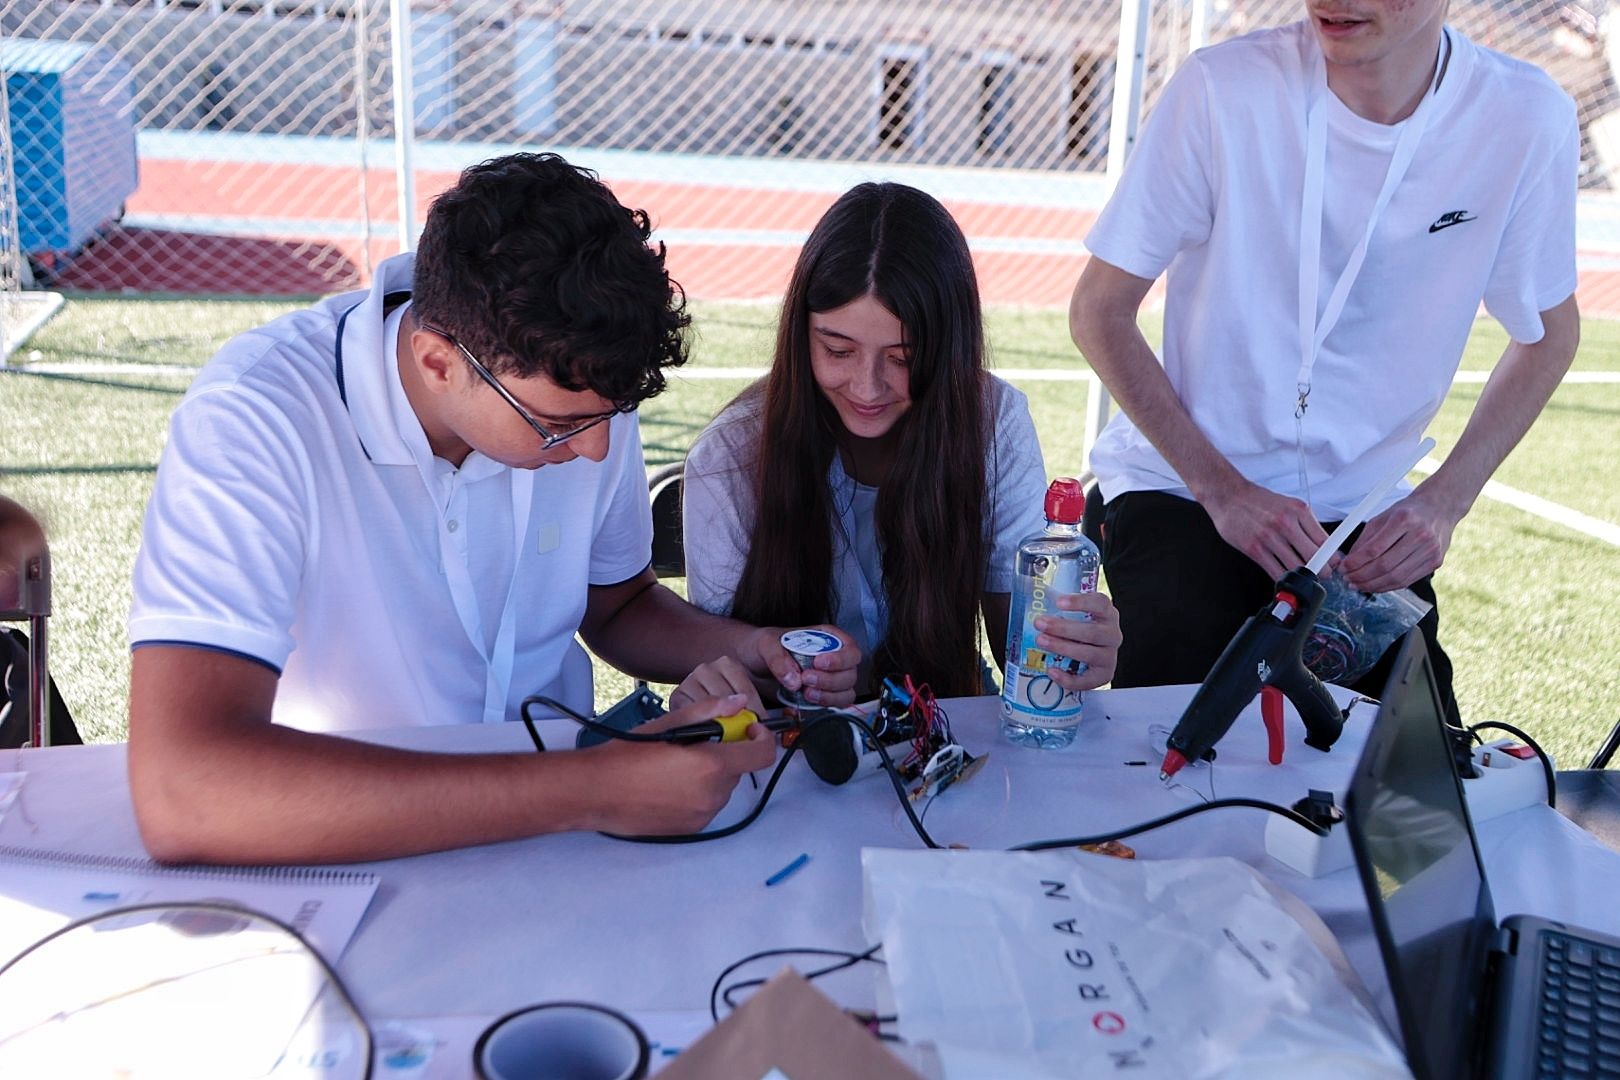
x,y
1184,812
748,819
528,721
830,715
586,722
720,992
811,720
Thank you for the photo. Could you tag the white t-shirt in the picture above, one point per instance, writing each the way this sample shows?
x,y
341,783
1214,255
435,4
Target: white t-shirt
x,y
1486,212
719,509
300,520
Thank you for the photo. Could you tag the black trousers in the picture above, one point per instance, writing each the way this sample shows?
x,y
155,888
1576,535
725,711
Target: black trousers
x,y
1183,592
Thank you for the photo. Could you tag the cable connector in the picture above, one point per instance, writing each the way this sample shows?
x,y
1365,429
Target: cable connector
x,y
1462,751
1296,847
1318,808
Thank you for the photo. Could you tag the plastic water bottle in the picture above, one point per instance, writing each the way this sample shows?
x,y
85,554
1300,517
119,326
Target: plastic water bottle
x,y
1035,711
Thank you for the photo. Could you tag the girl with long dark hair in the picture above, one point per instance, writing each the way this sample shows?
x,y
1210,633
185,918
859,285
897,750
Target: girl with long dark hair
x,y
879,477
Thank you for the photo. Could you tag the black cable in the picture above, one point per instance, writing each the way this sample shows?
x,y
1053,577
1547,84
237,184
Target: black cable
x,y
850,960
589,723
1546,762
528,721
1184,812
846,959
830,715
717,834
1605,753
811,721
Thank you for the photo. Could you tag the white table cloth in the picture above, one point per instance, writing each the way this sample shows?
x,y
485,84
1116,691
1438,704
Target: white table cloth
x,y
473,933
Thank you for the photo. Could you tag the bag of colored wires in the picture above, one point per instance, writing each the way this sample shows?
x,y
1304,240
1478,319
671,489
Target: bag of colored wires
x,y
1355,628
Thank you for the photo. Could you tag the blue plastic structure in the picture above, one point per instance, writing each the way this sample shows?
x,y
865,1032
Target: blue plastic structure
x,y
71,108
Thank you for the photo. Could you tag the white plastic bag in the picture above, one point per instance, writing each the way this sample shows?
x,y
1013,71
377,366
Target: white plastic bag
x,y
1060,964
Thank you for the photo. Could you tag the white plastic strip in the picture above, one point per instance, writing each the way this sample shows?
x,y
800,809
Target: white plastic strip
x,y
1359,514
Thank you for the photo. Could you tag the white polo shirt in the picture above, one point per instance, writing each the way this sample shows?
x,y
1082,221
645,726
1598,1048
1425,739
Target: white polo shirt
x,y
1213,193
299,520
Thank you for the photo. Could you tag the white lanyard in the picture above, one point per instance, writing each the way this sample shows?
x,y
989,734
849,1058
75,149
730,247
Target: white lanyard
x,y
1313,331
874,598
499,660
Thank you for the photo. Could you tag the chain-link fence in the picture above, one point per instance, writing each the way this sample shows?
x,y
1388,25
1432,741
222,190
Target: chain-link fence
x,y
12,263
218,97
265,139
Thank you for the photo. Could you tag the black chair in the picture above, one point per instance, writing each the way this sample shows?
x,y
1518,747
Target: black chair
x,y
668,547
1606,751
1590,797
32,712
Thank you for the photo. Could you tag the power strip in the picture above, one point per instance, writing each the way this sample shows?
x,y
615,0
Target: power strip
x,y
1510,778
1297,847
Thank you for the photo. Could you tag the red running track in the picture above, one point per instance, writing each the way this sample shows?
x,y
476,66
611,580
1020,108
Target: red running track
x,y
305,222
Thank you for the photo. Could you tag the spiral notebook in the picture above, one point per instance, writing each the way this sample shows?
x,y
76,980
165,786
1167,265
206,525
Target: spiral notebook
x,y
42,891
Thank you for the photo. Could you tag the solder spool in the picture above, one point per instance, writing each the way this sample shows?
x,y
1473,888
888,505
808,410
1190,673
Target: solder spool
x,y
804,646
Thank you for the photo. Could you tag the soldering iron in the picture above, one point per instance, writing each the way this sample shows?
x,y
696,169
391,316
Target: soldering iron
x,y
733,728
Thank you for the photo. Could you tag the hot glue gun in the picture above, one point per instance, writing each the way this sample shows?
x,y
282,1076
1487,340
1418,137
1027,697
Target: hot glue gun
x,y
1263,657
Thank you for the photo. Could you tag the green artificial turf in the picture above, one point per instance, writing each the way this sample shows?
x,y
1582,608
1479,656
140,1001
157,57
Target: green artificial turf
x,y
1528,607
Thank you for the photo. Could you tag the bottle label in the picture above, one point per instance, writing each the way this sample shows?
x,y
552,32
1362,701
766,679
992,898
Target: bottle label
x,y
1030,695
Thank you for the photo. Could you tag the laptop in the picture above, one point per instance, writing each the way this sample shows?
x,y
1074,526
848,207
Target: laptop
x,y
1522,998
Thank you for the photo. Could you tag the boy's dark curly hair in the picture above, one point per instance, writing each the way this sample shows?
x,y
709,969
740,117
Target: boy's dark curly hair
x,y
536,268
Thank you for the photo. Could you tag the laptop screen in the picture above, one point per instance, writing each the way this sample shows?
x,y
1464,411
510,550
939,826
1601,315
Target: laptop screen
x,y
1416,855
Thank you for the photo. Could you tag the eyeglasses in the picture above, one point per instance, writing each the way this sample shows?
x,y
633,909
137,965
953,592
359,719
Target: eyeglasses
x,y
548,439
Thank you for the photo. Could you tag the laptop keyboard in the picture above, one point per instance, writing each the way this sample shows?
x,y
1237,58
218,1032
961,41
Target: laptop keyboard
x,y
1580,1008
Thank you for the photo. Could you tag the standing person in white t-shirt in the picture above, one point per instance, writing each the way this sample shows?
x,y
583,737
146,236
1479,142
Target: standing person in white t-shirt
x,y
397,508
879,477
1333,200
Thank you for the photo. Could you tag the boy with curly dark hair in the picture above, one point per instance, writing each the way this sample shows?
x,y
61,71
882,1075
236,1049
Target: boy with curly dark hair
x,y
399,507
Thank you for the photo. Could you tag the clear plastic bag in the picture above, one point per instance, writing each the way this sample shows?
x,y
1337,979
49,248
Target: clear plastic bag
x,y
1355,628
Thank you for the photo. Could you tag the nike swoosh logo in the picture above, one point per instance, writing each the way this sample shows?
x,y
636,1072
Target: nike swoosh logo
x,y
1455,217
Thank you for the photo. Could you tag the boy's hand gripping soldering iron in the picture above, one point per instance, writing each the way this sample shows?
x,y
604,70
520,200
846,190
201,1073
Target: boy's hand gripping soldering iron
x,y
1265,657
732,728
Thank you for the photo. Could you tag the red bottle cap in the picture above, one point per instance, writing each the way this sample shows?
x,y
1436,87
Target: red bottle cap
x,y
1065,501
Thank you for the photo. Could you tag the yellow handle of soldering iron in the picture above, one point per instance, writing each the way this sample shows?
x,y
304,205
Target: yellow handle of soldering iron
x,y
734,728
